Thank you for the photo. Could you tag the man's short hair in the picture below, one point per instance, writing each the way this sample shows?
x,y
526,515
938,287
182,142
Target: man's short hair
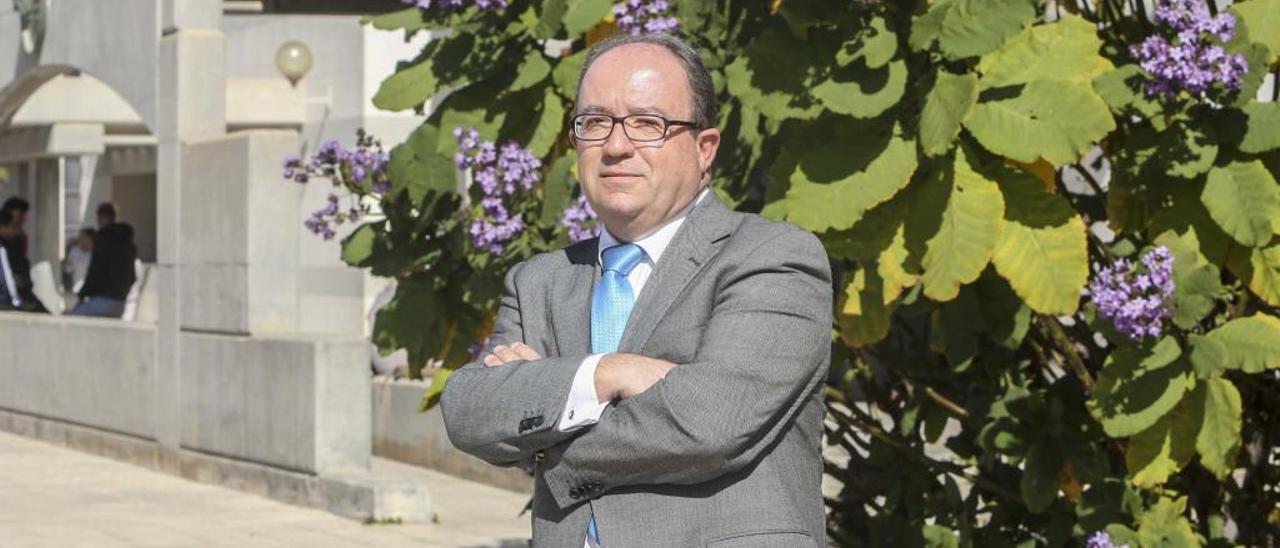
x,y
17,204
701,87
107,209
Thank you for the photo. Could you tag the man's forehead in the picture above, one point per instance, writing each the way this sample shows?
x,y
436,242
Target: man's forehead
x,y
648,73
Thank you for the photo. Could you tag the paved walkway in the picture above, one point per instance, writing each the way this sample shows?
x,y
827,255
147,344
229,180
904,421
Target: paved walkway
x,y
56,497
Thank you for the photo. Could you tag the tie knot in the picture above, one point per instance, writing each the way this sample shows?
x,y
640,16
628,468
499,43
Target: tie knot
x,y
622,258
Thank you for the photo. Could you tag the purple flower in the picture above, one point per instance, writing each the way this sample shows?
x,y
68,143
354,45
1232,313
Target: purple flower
x,y
504,175
454,5
361,171
576,218
1102,540
1136,298
1188,55
645,16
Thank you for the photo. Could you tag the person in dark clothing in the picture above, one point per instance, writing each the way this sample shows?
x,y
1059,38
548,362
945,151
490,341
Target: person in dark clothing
x,y
15,270
111,268
19,208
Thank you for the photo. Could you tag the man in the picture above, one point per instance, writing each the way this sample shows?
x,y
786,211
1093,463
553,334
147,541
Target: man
x,y
699,423
19,208
10,298
111,269
16,291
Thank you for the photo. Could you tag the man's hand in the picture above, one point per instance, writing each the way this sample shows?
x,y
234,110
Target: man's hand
x,y
504,354
622,376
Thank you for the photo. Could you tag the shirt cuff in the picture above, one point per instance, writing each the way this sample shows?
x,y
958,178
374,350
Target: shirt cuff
x,y
583,408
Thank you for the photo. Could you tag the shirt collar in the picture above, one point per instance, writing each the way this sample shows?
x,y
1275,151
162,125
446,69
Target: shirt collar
x,y
653,244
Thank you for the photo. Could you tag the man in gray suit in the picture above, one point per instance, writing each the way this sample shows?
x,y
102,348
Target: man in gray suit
x,y
664,381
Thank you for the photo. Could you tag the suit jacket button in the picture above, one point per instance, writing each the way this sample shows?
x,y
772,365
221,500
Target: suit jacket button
x,y
540,455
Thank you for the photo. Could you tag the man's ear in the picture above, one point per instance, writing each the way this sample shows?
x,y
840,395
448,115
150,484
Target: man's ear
x,y
708,141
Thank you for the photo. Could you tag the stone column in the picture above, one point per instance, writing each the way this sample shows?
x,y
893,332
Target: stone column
x,y
191,107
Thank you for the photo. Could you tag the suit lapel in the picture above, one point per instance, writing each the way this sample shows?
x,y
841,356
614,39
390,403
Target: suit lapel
x,y
571,298
690,250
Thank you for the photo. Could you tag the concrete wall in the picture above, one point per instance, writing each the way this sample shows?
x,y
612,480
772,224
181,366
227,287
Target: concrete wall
x,y
86,34
98,373
240,235
402,433
301,404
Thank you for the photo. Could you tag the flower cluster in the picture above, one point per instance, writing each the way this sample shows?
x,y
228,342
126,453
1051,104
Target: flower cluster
x,y
1102,540
450,5
1136,298
578,219
362,171
1189,56
645,16
503,175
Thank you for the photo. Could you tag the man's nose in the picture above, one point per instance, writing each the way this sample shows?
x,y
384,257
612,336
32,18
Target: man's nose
x,y
618,144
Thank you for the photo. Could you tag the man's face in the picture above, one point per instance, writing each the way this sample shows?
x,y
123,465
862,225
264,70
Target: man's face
x,y
635,187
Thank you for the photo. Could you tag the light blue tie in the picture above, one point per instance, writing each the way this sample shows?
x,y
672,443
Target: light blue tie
x,y
611,304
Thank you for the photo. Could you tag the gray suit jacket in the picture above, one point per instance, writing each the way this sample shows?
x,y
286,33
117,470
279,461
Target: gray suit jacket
x,y
725,451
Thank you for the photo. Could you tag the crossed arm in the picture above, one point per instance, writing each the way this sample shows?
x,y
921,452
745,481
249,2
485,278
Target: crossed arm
x,y
763,354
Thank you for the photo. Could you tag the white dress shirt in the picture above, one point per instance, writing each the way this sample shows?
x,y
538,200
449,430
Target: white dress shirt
x,y
583,407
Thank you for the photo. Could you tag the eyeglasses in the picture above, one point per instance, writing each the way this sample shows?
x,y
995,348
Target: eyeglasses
x,y
637,127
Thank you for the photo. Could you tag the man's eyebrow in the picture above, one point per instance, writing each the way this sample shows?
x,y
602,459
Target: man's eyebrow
x,y
597,109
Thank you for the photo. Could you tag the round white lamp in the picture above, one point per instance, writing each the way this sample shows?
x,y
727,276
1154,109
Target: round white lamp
x,y
294,60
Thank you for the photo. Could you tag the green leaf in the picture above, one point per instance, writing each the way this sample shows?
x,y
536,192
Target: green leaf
x,y
1257,59
1040,475
772,76
1196,281
358,247
1261,21
937,536
1166,447
829,191
584,14
1042,248
876,46
1263,128
1064,50
948,103
550,18
534,68
863,93
1252,343
965,239
408,19
551,124
1208,356
863,316
1164,525
1244,200
1186,150
416,166
558,190
567,72
407,88
1138,386
1261,272
1056,120
431,396
1218,441
967,28
1122,89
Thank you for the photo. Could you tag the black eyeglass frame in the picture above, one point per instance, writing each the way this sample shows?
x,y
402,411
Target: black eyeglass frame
x,y
667,123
